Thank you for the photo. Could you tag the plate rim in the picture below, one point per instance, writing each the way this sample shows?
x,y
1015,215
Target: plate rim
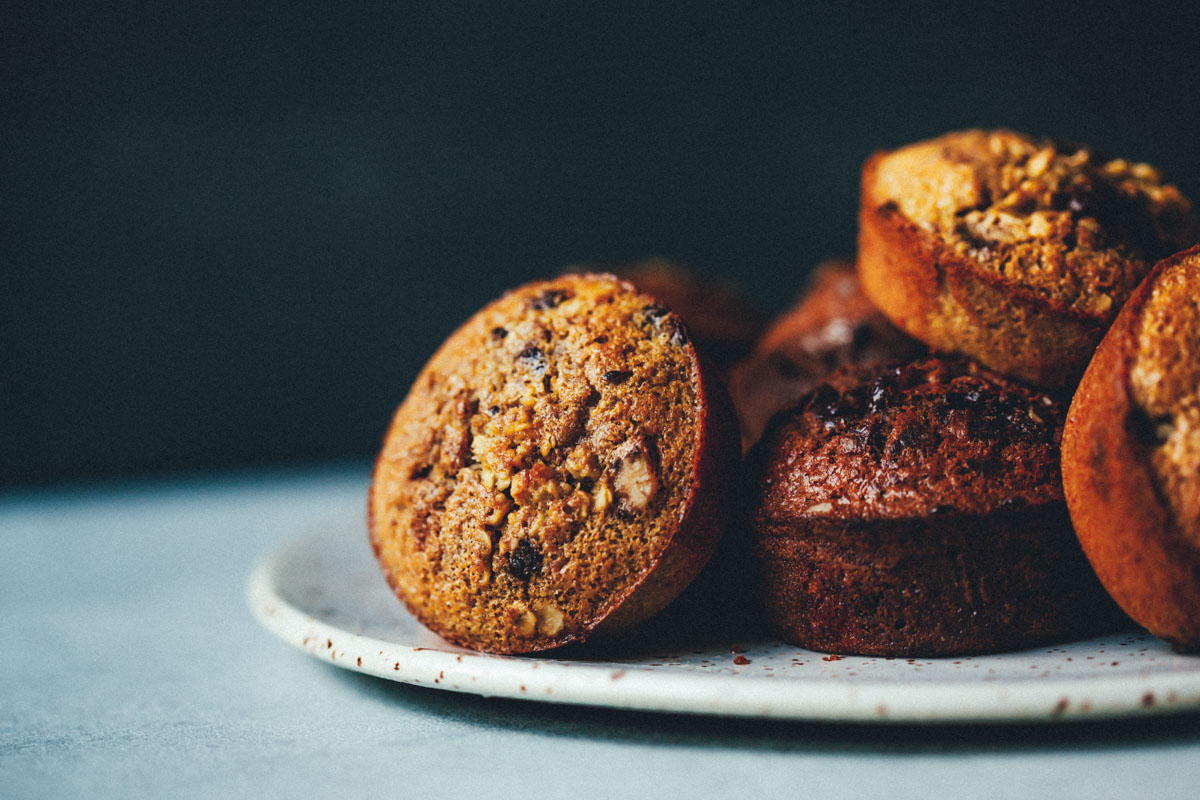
x,y
644,687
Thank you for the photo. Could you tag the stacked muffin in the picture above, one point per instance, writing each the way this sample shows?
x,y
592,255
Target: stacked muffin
x,y
920,510
564,464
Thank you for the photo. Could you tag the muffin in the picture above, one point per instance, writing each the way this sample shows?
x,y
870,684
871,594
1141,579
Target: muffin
x,y
833,325
1131,454
559,468
918,511
1013,250
722,321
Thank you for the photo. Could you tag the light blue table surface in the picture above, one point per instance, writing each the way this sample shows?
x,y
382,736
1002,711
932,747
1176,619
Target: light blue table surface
x,y
132,668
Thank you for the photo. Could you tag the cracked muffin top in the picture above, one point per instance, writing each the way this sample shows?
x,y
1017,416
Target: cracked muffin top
x,y
542,465
1070,226
934,437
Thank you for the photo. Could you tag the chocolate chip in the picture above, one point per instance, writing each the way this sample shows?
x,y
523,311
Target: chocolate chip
x,y
525,561
549,299
421,472
823,404
616,376
658,317
499,333
963,399
533,359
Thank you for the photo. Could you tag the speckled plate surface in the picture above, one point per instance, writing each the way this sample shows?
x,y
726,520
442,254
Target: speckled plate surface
x,y
324,594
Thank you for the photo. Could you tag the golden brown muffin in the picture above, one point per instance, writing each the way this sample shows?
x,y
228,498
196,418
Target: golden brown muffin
x,y
833,325
1131,454
559,468
918,511
1013,250
722,321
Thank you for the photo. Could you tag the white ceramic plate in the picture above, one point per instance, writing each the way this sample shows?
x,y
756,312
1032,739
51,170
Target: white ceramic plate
x,y
325,595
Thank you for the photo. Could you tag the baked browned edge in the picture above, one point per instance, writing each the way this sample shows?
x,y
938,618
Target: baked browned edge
x,y
1123,523
903,270
1037,539
1041,530
702,520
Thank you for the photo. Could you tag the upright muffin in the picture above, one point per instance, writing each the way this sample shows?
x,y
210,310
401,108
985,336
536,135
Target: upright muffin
x,y
833,325
1131,454
918,511
1014,250
559,468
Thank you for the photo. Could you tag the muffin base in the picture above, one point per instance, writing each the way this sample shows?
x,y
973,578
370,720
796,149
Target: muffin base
x,y
932,587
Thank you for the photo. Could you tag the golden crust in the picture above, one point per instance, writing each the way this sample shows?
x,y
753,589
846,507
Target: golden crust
x,y
1012,250
555,470
1131,465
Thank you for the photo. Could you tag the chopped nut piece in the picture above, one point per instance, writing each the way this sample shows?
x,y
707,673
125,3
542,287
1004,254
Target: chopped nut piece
x,y
1039,224
499,508
635,481
820,508
537,484
603,497
522,619
549,620
582,463
578,503
1039,161
997,226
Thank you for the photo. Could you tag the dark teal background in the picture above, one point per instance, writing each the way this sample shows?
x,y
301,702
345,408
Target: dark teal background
x,y
230,233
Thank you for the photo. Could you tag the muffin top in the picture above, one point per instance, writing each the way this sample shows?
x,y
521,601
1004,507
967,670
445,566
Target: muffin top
x,y
937,436
1066,224
540,464
1164,382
